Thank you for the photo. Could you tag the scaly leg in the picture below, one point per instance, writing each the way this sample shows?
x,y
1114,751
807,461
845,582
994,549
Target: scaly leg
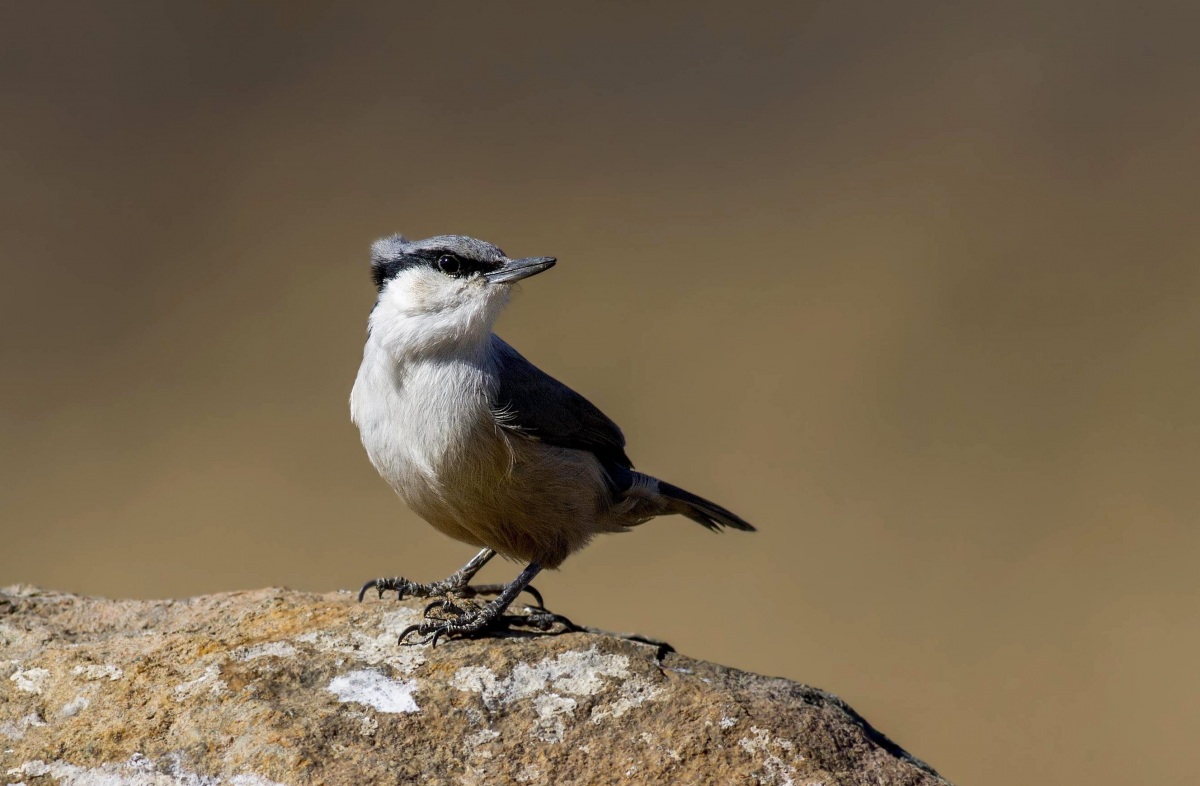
x,y
469,622
457,583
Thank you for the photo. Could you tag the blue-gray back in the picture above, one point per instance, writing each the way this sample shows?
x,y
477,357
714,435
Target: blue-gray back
x,y
536,405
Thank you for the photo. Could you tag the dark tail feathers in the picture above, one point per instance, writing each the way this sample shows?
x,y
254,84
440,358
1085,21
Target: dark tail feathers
x,y
700,510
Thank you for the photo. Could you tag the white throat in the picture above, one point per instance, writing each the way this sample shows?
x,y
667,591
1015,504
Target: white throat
x,y
423,313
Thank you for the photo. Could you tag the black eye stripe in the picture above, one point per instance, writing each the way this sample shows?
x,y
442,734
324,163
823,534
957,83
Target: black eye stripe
x,y
382,272
445,262
459,266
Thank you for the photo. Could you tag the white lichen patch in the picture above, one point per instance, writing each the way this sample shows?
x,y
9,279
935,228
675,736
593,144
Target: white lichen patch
x,y
528,774
576,673
376,646
775,769
208,683
73,707
34,769
550,725
477,679
552,681
251,780
632,693
477,759
16,731
367,725
727,722
30,680
137,771
95,672
271,649
375,690
472,742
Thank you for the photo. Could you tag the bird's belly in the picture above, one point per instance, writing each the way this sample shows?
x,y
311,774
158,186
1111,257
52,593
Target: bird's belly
x,y
528,501
472,480
439,466
548,503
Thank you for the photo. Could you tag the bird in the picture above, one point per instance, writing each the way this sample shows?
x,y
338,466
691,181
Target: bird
x,y
481,443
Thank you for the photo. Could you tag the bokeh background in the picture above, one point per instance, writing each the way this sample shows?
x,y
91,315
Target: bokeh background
x,y
912,286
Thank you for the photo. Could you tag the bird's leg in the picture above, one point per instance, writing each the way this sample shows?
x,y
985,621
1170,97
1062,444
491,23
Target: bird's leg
x,y
470,621
457,583
454,583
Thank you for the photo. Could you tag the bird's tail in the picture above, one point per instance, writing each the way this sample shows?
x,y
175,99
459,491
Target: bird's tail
x,y
700,510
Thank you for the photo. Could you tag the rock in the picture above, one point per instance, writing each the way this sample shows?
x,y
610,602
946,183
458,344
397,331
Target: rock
x,y
280,687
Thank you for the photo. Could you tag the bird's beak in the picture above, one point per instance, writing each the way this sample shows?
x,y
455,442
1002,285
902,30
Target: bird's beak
x,y
517,269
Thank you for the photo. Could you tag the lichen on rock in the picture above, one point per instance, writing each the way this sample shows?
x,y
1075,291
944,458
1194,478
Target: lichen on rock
x,y
278,687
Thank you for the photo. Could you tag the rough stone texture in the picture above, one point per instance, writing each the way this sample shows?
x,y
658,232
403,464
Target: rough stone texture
x,y
281,687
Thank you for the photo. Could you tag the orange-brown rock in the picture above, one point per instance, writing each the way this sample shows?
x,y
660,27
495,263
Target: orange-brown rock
x,y
280,687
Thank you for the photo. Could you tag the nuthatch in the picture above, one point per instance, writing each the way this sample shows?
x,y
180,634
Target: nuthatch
x,y
479,442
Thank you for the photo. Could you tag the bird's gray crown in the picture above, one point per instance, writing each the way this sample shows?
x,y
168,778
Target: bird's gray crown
x,y
452,254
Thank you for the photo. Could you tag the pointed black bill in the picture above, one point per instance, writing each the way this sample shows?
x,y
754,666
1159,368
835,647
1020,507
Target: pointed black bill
x,y
517,269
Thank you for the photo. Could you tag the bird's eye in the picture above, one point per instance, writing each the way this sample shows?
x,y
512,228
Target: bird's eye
x,y
450,265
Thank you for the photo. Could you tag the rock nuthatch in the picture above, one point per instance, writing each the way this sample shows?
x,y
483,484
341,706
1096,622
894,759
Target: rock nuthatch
x,y
479,442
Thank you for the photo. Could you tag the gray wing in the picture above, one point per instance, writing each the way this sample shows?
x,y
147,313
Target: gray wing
x,y
536,405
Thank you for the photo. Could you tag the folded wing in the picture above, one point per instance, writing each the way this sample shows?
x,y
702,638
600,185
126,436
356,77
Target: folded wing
x,y
534,404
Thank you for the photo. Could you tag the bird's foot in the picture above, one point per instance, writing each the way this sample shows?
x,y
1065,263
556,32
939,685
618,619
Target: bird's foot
x,y
452,586
454,620
472,620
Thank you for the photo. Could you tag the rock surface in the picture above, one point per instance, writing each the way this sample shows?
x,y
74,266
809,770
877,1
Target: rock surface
x,y
280,687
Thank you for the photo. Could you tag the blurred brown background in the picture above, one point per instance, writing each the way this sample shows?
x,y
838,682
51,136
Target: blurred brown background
x,y
912,288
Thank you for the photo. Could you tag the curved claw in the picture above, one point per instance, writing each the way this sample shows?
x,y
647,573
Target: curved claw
x,y
532,590
381,586
400,585
407,632
436,633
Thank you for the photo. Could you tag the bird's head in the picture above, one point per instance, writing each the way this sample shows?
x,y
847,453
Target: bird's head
x,y
442,291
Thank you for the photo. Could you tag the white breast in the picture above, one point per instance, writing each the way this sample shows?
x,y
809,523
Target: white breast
x,y
417,417
427,426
